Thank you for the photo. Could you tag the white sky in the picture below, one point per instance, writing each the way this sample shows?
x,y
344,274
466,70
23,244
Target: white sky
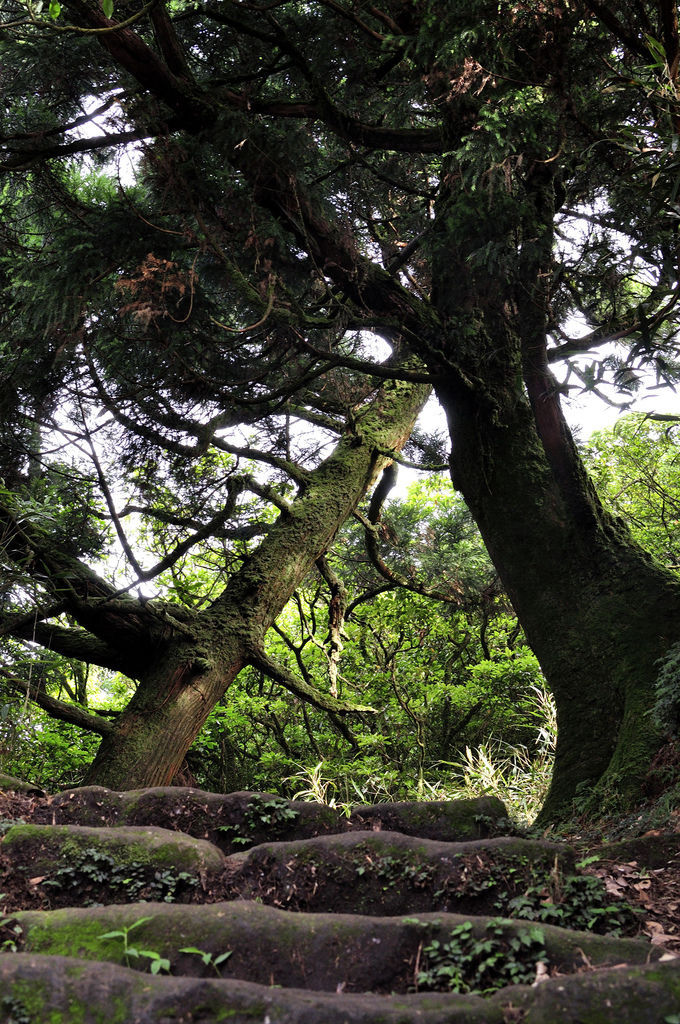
x,y
585,414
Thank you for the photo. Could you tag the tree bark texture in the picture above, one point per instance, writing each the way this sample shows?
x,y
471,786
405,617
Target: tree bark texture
x,y
192,670
596,609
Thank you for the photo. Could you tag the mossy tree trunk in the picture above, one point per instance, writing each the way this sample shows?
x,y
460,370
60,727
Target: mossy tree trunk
x,y
596,609
191,669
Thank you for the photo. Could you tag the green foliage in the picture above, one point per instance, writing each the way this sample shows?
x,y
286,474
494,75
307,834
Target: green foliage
x,y
157,963
33,746
93,870
452,677
393,872
14,1011
10,932
666,710
580,902
7,823
209,959
480,965
636,469
272,815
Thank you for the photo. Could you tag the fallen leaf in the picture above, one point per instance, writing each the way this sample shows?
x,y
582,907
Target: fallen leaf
x,y
643,885
542,973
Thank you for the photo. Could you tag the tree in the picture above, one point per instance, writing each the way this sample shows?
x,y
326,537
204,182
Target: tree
x,y
412,171
636,469
132,417
184,659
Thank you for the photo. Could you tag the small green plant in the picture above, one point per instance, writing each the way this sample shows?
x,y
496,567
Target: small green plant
x,y
209,959
13,1011
7,924
273,814
666,710
511,772
132,881
576,901
393,871
317,789
158,964
7,823
470,964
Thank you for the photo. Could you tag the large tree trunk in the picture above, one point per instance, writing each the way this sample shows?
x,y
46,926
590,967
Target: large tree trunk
x,y
595,608
597,611
195,667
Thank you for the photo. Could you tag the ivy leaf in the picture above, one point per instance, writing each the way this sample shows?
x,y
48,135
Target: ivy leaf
x,y
54,9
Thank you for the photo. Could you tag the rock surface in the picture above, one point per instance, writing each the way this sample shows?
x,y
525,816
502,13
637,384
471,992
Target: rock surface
x,y
52,990
295,914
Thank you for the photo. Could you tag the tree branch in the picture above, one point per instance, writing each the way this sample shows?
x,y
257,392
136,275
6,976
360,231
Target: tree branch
x,y
24,158
372,536
59,709
280,674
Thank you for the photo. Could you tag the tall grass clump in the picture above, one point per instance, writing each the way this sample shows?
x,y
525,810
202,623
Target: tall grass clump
x,y
517,776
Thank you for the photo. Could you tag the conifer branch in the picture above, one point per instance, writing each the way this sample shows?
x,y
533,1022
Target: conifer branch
x,y
280,674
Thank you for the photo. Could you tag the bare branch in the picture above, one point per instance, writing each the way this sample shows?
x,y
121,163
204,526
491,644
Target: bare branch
x,y
59,709
280,674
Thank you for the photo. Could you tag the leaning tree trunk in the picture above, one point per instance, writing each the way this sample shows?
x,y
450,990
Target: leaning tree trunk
x,y
192,671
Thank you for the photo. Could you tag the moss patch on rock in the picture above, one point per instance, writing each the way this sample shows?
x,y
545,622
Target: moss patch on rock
x,y
236,821
62,990
314,951
450,821
390,873
11,785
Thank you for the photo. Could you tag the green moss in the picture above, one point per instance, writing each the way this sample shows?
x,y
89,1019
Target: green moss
x,y
28,1002
63,934
123,845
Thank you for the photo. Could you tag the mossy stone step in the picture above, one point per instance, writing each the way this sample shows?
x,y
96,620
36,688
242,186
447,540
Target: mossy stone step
x,y
650,851
326,952
11,785
68,856
235,821
65,990
388,873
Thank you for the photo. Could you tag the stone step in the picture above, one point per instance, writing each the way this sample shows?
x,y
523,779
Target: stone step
x,y
119,863
387,873
45,989
325,952
236,821
353,872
